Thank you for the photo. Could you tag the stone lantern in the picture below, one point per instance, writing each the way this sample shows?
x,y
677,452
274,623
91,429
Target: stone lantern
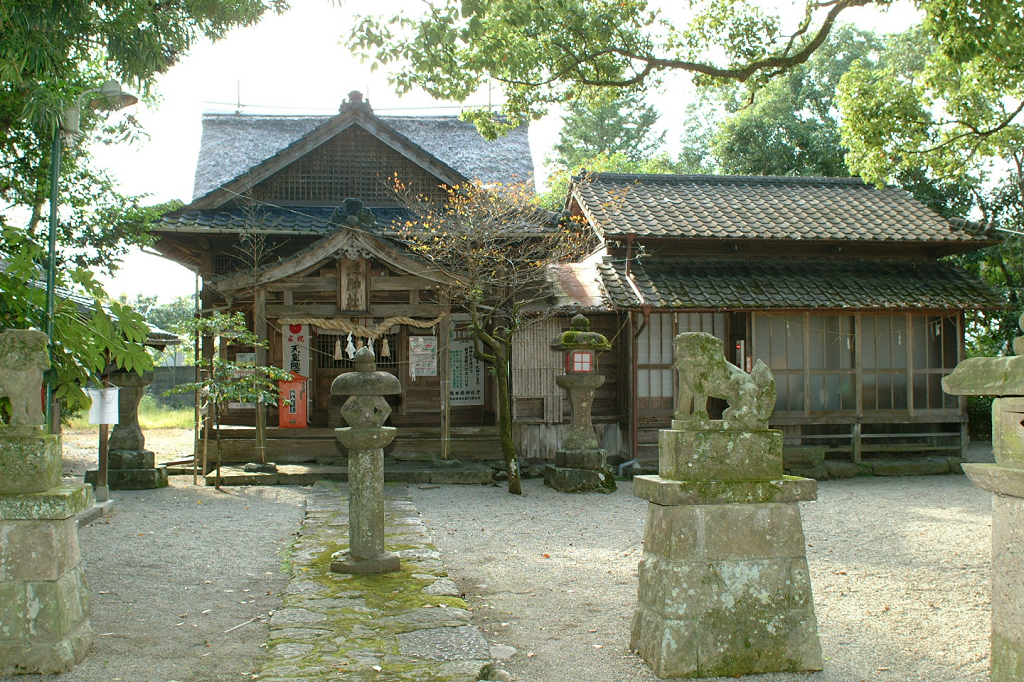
x,y
579,464
1002,378
365,437
44,612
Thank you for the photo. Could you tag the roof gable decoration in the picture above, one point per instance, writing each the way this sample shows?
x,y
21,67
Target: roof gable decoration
x,y
350,240
239,151
353,112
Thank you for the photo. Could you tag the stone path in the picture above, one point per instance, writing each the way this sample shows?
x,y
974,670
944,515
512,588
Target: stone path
x,y
410,626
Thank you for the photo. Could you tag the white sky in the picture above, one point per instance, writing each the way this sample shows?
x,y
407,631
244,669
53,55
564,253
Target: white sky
x,y
290,64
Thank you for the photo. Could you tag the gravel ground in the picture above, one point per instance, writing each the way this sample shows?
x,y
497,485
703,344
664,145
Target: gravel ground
x,y
900,570
899,566
171,570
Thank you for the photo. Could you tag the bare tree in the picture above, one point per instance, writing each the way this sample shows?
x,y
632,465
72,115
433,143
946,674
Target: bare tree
x,y
495,245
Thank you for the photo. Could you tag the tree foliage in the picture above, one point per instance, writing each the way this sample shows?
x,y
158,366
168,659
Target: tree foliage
x,y
494,245
606,123
89,335
544,51
950,104
50,53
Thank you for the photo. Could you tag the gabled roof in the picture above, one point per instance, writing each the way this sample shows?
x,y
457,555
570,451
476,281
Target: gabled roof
x,y
717,284
760,207
241,149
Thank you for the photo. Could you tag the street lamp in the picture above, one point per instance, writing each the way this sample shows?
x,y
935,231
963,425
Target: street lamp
x,y
108,97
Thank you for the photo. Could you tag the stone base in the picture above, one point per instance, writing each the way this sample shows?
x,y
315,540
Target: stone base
x,y
569,480
131,479
131,459
30,460
44,600
589,458
724,590
1007,484
386,562
719,454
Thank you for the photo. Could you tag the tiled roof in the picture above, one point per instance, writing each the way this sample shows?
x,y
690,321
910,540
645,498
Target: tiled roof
x,y
684,283
304,219
233,143
759,207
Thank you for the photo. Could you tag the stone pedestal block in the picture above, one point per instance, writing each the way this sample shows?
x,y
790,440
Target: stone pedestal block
x,y
1007,484
30,460
724,588
573,480
719,454
44,599
131,479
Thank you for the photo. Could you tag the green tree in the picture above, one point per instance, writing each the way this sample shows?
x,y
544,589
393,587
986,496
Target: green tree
x,y
954,111
50,52
544,51
494,245
788,127
605,123
225,381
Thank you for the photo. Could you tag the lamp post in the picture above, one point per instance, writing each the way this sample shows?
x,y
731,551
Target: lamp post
x,y
108,97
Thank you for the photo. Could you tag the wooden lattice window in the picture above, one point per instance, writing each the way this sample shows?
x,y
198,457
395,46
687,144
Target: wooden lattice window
x,y
353,163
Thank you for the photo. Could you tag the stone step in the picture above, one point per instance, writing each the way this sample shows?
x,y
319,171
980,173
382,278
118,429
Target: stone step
x,y
308,474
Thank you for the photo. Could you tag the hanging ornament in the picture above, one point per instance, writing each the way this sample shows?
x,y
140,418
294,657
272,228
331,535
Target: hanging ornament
x,y
369,344
350,349
338,355
359,344
385,349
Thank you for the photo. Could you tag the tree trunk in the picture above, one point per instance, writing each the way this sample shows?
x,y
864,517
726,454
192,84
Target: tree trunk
x,y
508,449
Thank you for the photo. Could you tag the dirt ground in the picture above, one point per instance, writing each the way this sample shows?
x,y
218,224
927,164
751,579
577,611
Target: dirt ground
x,y
81,447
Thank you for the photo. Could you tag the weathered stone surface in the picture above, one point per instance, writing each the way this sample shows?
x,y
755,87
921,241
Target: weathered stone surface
x,y
131,459
131,479
1007,579
918,466
445,644
30,461
996,478
127,433
569,480
667,492
592,458
44,625
444,587
986,376
803,456
841,470
696,532
24,356
38,550
1007,431
724,455
56,503
580,387
705,373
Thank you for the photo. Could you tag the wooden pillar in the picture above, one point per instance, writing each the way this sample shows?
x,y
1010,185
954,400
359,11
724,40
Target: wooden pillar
x,y
444,369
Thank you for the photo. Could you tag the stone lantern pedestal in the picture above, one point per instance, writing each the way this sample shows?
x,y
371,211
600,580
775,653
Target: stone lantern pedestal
x,y
580,464
724,588
44,600
1005,480
366,437
130,465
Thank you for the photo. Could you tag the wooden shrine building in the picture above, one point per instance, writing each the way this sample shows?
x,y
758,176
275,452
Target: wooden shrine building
x,y
291,223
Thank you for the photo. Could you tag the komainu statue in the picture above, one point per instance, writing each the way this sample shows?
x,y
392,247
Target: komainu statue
x,y
23,359
705,373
